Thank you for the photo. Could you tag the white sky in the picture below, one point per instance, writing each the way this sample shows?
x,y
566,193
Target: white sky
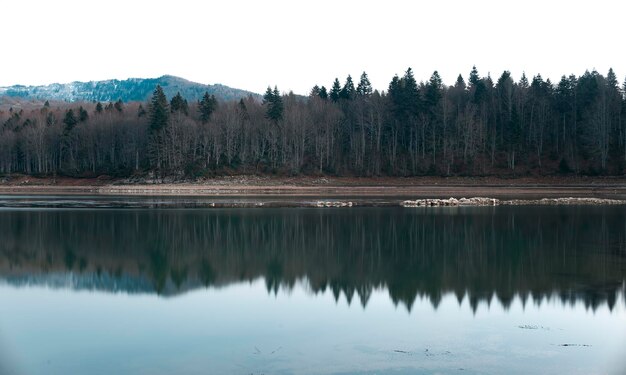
x,y
250,44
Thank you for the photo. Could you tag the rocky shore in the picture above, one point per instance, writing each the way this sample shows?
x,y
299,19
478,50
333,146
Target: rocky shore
x,y
481,201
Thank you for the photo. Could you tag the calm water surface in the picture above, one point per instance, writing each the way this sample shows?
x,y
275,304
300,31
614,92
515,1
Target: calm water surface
x,y
487,290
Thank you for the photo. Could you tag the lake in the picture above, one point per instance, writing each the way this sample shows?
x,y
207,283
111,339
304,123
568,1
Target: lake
x,y
378,290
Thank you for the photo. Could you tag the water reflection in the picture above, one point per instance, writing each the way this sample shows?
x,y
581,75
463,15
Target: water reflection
x,y
575,254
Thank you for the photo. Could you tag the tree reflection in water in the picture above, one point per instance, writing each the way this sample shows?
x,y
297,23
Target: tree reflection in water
x,y
571,253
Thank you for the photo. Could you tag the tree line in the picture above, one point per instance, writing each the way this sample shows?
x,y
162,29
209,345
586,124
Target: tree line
x,y
474,127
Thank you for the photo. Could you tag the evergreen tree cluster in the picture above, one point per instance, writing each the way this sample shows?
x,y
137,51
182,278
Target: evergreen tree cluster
x,y
273,102
474,127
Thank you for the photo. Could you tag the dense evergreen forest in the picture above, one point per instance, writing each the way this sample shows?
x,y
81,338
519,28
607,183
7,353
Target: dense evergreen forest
x,y
478,127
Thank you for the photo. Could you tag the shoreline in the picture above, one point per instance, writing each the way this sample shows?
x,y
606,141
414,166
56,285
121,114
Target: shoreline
x,y
254,191
302,185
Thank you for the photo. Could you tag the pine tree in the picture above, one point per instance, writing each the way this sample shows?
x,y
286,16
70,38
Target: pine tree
x,y
434,90
82,114
477,86
505,79
278,105
159,118
119,106
315,92
243,111
323,93
268,97
523,81
474,78
99,107
274,104
69,120
411,102
208,104
364,88
488,82
460,83
179,104
335,90
394,92
507,115
347,91
504,89
563,94
159,111
613,110
611,80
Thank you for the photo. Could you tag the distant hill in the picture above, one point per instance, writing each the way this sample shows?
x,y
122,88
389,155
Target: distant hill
x,y
132,89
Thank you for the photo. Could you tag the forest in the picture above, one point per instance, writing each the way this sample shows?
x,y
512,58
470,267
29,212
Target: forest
x,y
476,127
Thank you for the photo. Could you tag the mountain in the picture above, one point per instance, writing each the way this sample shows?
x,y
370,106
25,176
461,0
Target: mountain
x,y
132,89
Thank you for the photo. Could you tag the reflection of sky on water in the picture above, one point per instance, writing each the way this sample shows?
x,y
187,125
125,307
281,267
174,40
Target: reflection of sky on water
x,y
243,329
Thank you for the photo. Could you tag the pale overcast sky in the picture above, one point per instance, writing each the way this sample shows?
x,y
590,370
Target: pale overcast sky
x,y
251,44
